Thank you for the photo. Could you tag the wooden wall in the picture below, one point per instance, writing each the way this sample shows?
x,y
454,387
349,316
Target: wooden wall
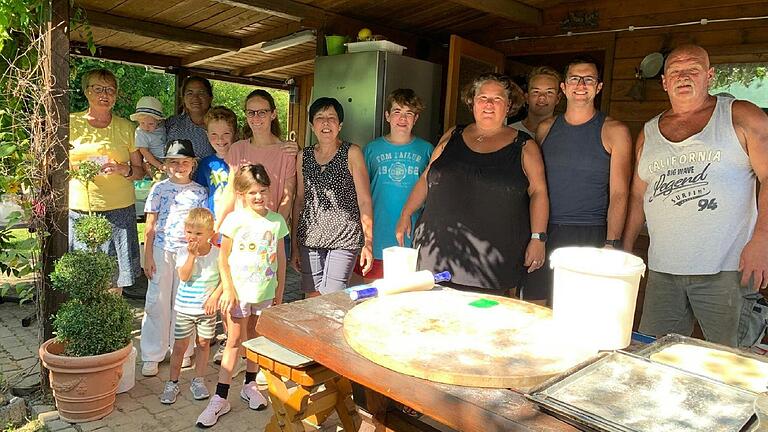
x,y
297,116
734,41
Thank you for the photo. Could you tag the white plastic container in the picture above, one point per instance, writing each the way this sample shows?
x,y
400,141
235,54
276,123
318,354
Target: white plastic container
x,y
594,294
380,45
399,261
128,380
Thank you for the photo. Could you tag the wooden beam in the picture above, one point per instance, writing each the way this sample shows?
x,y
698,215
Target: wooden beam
x,y
53,166
161,31
287,9
509,9
126,56
248,43
281,63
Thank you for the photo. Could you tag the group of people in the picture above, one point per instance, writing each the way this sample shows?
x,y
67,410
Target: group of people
x,y
488,203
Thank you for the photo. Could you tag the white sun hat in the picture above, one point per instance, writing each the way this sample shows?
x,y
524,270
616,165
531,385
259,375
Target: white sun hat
x,y
150,106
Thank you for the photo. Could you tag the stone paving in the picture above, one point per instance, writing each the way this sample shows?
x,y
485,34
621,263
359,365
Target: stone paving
x,y
138,409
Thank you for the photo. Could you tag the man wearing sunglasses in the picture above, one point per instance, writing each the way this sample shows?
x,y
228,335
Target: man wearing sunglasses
x,y
588,162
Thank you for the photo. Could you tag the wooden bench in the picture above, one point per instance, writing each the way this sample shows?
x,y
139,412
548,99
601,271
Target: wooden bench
x,y
307,401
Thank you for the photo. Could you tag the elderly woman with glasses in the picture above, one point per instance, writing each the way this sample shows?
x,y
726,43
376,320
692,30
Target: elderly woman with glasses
x,y
264,146
98,136
197,94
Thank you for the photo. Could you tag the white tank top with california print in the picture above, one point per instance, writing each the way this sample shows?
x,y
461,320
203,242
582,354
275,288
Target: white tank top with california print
x,y
700,202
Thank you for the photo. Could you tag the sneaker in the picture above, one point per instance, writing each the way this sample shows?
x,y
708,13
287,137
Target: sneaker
x,y
251,393
149,368
261,379
170,392
216,408
239,368
187,362
220,352
198,389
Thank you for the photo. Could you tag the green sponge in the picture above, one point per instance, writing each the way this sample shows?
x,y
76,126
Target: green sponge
x,y
484,303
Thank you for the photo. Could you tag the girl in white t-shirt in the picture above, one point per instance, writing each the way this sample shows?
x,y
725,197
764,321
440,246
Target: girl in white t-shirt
x,y
252,266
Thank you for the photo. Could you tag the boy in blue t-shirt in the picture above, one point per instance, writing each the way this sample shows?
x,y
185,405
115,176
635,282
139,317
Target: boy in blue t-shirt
x,y
394,161
213,171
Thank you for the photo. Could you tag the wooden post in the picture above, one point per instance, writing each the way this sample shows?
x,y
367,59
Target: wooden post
x,y
181,74
55,162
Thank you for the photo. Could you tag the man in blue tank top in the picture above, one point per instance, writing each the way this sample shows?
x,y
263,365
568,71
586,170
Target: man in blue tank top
x,y
695,185
588,162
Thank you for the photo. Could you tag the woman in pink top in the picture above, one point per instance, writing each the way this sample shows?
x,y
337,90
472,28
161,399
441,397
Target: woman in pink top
x,y
263,146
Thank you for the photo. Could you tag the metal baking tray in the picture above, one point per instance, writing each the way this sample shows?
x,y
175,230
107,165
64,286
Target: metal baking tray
x,y
623,392
671,340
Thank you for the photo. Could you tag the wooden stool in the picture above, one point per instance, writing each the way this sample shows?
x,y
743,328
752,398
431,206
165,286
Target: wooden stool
x,y
305,401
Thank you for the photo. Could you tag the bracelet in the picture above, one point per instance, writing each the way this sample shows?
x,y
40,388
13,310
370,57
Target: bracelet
x,y
130,170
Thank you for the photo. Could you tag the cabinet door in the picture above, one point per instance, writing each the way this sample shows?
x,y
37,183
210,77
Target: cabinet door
x,y
466,61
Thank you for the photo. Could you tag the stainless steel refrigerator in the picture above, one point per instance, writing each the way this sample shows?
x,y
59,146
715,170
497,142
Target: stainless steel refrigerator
x,y
361,82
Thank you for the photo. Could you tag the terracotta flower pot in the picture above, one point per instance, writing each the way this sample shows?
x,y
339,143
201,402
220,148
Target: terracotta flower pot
x,y
84,387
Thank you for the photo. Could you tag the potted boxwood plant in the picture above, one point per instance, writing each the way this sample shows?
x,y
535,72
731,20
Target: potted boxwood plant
x,y
92,328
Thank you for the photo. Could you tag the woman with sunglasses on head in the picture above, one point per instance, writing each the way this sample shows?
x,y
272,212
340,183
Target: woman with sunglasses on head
x,y
264,146
99,136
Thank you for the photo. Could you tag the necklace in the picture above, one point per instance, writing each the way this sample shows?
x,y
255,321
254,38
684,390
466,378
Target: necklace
x,y
481,137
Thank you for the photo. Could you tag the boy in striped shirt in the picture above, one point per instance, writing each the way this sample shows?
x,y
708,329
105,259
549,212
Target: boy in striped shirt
x,y
196,299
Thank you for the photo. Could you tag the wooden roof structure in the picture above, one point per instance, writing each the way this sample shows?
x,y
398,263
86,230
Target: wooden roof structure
x,y
225,36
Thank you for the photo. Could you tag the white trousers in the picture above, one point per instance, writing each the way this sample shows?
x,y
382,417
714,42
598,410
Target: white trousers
x,y
159,316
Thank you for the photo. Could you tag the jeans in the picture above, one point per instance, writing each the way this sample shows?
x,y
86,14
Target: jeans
x,y
326,270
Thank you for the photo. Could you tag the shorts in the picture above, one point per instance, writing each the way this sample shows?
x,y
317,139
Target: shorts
x,y
673,303
376,272
245,309
186,324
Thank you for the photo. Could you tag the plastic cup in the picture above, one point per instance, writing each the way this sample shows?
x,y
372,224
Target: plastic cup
x,y
399,260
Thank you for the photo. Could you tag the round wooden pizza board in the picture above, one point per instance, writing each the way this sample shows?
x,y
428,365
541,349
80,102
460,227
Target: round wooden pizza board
x,y
462,338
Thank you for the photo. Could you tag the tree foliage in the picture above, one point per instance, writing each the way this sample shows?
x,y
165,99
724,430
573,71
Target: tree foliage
x,y
744,74
137,81
20,81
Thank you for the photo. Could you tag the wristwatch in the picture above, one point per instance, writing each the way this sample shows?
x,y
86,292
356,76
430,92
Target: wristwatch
x,y
614,243
541,236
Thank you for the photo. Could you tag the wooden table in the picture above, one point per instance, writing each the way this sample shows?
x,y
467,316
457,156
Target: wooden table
x,y
313,327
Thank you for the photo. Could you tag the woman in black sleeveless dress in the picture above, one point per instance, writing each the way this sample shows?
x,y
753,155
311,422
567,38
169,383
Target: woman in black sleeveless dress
x,y
484,194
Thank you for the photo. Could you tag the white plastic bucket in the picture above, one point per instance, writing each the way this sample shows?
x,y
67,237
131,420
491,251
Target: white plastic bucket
x,y
128,380
399,260
594,294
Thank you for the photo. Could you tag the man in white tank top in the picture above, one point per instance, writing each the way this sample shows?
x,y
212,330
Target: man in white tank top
x,y
695,185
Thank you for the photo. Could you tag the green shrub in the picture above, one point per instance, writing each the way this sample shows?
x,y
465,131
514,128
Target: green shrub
x,y
93,230
83,275
101,325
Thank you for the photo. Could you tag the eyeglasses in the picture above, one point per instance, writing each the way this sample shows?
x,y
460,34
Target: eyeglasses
x,y
330,119
574,80
259,113
99,89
